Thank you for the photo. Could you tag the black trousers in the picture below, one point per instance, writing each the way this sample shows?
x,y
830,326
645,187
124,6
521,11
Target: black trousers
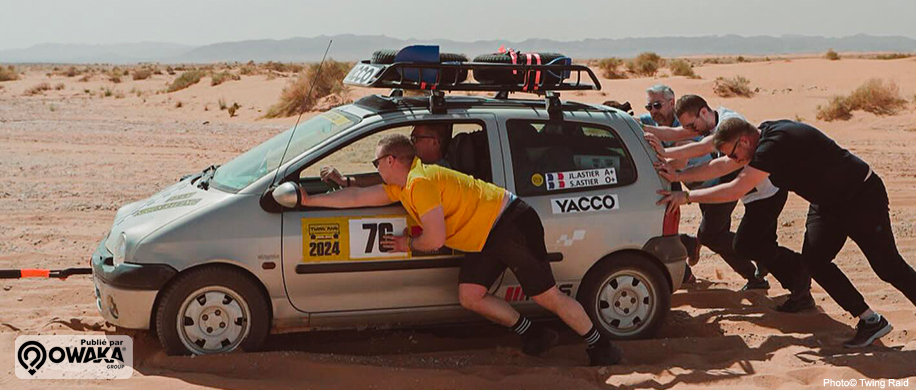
x,y
715,232
756,239
866,220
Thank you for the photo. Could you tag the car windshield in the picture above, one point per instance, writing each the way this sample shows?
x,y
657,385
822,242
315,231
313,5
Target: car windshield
x,y
255,163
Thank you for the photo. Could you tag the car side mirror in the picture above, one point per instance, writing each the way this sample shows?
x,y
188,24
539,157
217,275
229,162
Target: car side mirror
x,y
288,195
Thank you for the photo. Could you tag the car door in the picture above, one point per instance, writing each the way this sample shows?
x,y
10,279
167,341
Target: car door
x,y
578,176
332,259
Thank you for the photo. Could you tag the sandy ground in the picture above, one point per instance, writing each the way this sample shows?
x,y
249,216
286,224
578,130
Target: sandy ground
x,y
68,160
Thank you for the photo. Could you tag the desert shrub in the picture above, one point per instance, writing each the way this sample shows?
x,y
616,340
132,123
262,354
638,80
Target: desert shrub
x,y
874,96
186,79
8,73
142,74
59,86
294,97
222,104
893,56
283,68
72,72
681,67
233,108
610,68
179,104
741,59
38,89
86,77
219,78
248,70
169,70
106,92
645,64
832,55
731,87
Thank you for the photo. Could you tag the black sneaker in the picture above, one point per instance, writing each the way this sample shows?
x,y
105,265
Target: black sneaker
x,y
603,354
797,303
538,340
756,284
867,333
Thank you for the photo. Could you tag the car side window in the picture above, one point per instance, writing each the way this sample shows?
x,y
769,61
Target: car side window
x,y
555,157
466,151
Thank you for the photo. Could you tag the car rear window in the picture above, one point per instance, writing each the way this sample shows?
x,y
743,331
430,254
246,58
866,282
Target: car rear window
x,y
557,157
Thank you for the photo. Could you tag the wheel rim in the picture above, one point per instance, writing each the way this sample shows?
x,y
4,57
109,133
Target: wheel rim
x,y
213,319
626,302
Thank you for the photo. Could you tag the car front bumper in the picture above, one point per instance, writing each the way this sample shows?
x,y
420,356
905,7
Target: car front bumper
x,y
125,294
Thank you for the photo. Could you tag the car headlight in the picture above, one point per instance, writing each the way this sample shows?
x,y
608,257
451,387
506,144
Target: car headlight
x,y
121,250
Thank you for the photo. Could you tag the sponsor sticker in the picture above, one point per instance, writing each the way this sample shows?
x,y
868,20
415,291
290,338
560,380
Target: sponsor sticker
x,y
355,238
537,179
584,204
583,178
324,239
74,357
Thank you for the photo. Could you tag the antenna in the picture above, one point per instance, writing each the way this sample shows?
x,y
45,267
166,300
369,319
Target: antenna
x,y
301,110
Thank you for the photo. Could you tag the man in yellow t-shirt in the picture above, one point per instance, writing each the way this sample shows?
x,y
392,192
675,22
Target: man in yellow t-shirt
x,y
492,226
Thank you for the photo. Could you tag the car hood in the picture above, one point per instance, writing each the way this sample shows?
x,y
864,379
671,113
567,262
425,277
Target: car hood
x,y
139,219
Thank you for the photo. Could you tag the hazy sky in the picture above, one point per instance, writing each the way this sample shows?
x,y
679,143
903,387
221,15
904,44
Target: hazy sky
x,y
24,23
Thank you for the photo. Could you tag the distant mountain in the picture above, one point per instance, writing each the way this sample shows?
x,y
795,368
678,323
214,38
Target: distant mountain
x,y
81,53
353,47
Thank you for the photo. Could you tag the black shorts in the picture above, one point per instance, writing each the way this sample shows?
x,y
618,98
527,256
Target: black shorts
x,y
516,242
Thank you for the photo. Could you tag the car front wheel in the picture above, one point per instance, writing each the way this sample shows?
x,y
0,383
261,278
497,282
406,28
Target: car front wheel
x,y
626,296
212,310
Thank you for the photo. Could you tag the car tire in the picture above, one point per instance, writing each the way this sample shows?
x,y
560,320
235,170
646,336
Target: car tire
x,y
216,305
385,57
626,296
500,76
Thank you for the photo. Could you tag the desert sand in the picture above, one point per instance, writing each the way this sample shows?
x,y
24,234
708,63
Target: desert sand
x,y
68,160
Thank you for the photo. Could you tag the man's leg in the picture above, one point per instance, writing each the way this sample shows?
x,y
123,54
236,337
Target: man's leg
x,y
824,237
474,297
716,235
870,227
756,239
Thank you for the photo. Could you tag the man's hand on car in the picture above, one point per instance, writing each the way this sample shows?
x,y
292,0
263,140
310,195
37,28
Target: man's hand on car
x,y
331,174
666,171
393,243
656,144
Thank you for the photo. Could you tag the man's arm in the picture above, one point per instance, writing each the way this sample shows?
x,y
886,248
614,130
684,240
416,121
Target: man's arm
x,y
722,193
692,149
331,174
349,198
709,170
432,237
669,134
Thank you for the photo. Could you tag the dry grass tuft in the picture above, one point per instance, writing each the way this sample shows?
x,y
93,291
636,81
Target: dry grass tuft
x,y
893,56
610,68
186,79
59,87
142,74
681,67
38,89
645,64
832,55
735,86
233,108
875,96
222,77
8,73
295,99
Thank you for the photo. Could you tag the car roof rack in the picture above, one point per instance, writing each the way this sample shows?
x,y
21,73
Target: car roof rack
x,y
367,74
429,76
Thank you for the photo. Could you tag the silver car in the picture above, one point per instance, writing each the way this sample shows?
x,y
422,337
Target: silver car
x,y
213,263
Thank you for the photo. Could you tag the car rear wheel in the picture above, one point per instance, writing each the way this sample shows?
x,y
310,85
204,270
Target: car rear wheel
x,y
212,310
626,296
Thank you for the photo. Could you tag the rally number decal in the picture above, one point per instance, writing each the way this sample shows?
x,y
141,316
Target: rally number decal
x,y
356,239
366,234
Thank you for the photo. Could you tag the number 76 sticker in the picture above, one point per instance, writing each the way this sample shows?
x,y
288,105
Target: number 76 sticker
x,y
366,234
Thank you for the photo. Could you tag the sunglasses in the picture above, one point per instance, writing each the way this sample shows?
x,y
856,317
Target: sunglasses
x,y
734,148
655,105
376,161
